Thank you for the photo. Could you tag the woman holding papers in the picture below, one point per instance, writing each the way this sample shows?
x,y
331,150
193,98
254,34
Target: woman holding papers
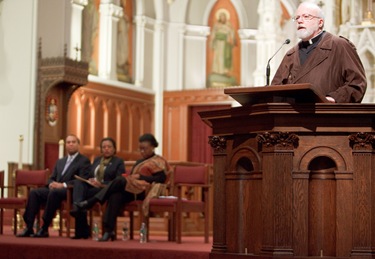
x,y
104,169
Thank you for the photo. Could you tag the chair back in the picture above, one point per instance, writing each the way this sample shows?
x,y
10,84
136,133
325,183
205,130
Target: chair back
x,y
197,174
2,183
31,177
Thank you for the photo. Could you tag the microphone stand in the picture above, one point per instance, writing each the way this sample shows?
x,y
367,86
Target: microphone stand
x,y
268,69
268,72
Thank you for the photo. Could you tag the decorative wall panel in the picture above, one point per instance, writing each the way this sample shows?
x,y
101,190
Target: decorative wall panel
x,y
97,111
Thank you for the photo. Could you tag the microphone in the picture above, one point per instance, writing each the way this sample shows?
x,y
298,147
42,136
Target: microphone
x,y
268,70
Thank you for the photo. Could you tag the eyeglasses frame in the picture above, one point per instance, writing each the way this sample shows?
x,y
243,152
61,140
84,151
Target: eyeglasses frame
x,y
305,17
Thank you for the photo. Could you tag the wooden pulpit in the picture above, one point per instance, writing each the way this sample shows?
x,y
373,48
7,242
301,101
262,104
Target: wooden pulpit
x,y
294,176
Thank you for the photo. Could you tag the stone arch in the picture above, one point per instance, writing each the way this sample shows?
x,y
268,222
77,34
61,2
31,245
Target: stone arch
x,y
238,6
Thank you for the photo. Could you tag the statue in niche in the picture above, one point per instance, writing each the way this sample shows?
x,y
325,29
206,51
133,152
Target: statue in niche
x,y
222,41
123,63
51,111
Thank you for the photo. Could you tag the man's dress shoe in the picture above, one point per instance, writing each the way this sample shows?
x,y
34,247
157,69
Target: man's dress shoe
x,y
26,233
107,236
82,205
75,211
42,233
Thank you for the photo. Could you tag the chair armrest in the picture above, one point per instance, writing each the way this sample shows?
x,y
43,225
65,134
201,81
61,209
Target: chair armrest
x,y
179,187
69,193
8,187
193,185
3,188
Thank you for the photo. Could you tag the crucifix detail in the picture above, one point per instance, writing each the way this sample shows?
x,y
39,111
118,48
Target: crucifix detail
x,y
78,50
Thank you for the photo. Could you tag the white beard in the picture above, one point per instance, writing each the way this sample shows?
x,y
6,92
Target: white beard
x,y
304,34
307,33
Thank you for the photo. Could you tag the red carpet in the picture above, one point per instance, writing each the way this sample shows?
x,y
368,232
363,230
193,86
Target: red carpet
x,y
56,247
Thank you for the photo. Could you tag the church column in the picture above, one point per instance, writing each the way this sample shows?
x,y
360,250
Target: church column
x,y
76,29
332,13
175,58
158,71
195,36
267,39
355,15
140,23
248,49
109,17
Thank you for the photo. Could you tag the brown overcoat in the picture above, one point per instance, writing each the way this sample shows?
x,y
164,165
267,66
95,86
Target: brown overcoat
x,y
333,68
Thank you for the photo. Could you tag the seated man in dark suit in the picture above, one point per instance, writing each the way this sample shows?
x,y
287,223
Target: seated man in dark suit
x,y
104,169
56,189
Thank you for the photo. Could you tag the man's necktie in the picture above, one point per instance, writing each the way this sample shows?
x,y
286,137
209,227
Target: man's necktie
x,y
68,161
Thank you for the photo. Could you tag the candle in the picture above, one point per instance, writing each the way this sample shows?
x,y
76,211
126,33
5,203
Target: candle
x,y
20,153
61,148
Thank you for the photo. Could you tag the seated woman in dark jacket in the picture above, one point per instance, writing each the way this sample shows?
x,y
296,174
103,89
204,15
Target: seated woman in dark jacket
x,y
103,170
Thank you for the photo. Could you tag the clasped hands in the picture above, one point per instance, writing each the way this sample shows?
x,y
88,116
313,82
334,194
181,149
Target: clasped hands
x,y
133,179
95,183
330,99
56,185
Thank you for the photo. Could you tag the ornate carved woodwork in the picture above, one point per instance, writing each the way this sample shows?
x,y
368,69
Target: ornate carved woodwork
x,y
97,110
293,180
60,76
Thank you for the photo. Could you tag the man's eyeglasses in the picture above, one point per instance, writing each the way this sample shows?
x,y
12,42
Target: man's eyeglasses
x,y
304,17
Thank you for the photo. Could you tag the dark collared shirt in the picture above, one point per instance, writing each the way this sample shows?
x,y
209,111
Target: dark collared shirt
x,y
307,47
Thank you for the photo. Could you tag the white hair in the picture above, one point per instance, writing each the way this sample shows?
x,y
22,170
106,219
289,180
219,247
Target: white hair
x,y
315,7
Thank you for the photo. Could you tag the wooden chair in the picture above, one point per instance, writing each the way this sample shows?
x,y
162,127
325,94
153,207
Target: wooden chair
x,y
65,212
1,196
98,209
23,178
132,208
184,177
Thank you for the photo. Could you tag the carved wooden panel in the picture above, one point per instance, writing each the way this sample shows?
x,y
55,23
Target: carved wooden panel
x,y
97,111
176,118
313,196
58,78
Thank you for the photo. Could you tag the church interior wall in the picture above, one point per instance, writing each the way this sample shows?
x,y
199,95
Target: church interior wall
x,y
173,57
57,13
195,11
194,58
251,14
248,63
148,56
99,110
178,11
170,50
17,79
148,8
176,118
